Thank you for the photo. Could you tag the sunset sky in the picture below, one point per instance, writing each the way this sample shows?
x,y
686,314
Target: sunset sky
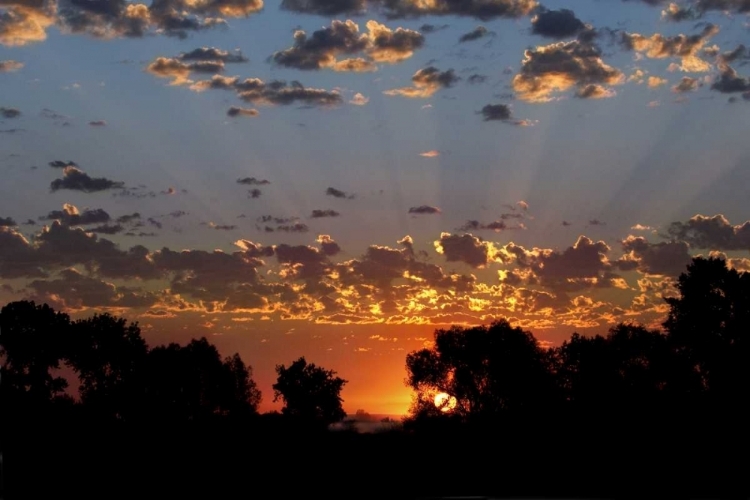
x,y
339,178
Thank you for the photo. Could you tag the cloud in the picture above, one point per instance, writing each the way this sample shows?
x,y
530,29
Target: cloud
x,y
235,111
9,113
678,13
550,69
465,248
275,92
255,193
71,216
656,82
476,78
661,259
497,226
329,247
317,214
475,34
77,180
480,9
325,7
10,65
323,48
426,82
424,209
338,194
557,24
740,6
686,48
98,123
359,100
179,71
25,22
252,181
729,82
213,54
430,154
107,229
62,164
713,233
687,84
492,112
7,222
126,219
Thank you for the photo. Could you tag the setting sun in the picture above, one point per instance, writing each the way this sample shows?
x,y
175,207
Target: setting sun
x,y
445,402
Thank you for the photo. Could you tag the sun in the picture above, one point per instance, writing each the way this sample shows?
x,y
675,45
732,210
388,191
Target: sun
x,y
445,402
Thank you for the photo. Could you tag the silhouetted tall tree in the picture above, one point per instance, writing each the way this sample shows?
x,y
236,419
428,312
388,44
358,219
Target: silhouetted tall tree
x,y
488,370
709,325
33,341
310,393
109,356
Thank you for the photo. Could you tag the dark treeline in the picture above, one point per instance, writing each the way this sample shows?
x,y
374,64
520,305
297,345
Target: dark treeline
x,y
635,412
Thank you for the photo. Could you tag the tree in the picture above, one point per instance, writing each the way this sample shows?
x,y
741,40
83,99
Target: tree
x,y
192,383
32,342
310,393
483,370
709,324
109,356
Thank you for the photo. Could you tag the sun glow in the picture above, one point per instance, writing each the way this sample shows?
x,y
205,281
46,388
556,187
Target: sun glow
x,y
445,402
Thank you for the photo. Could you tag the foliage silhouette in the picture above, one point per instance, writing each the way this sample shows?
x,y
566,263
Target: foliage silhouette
x,y
310,393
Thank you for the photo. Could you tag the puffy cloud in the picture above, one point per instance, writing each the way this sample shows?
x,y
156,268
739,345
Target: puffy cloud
x,y
676,13
235,111
656,82
557,24
328,246
714,233
493,112
71,216
24,22
594,91
77,180
323,48
687,84
179,71
686,48
213,54
466,248
729,82
275,92
359,100
547,70
10,65
662,259
426,82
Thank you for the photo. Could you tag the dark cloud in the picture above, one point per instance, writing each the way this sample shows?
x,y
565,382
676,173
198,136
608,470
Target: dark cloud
x,y
213,54
317,214
475,34
255,193
179,71
223,227
71,216
107,229
465,248
424,209
677,13
127,219
664,259
235,111
62,164
329,247
323,48
325,7
729,82
741,6
497,226
426,82
496,112
98,123
9,113
686,84
431,28
275,92
480,9
294,228
252,181
338,193
557,24
77,180
548,70
154,222
712,233
477,78
7,222
596,222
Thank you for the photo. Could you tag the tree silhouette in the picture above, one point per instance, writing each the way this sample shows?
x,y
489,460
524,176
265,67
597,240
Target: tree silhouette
x,y
33,341
709,325
192,383
109,357
309,392
488,370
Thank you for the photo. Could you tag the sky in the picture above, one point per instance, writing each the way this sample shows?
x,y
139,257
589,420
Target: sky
x,y
337,179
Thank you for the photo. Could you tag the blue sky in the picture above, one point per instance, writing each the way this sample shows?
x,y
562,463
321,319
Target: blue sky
x,y
547,167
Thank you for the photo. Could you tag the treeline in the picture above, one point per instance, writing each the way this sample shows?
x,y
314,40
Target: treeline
x,y
494,412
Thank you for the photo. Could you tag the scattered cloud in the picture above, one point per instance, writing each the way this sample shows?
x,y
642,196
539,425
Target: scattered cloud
x,y
430,154
317,214
336,193
426,82
76,180
359,100
235,111
475,34
424,209
9,66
